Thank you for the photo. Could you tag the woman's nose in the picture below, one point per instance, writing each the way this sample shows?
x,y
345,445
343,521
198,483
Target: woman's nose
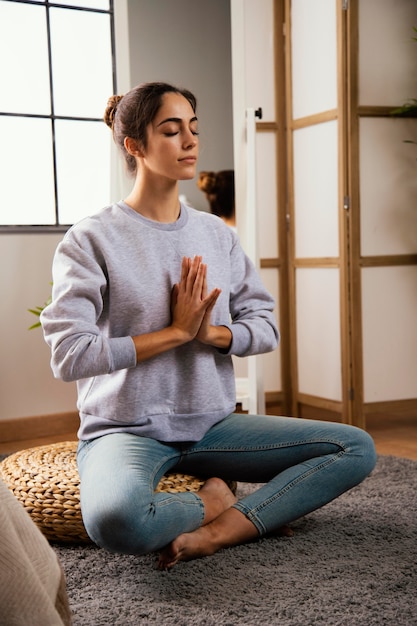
x,y
190,139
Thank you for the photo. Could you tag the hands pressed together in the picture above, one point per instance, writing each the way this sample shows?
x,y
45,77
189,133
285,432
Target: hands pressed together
x,y
191,308
191,305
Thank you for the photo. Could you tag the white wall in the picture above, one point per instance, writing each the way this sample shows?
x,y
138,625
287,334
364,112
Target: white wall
x,y
27,386
185,42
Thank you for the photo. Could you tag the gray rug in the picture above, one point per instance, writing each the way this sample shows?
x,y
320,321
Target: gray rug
x,y
352,563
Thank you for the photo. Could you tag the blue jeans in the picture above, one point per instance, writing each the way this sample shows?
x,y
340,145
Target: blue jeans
x,y
304,463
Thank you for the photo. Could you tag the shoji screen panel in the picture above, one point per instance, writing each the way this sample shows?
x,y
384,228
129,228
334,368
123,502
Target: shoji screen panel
x,y
318,333
388,206
387,197
387,70
313,56
315,171
315,191
389,298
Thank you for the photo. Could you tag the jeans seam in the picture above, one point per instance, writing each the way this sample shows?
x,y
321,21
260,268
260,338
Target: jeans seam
x,y
160,465
167,499
272,446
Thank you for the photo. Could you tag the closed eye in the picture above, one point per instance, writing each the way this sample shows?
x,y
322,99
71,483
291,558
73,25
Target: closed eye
x,y
177,120
172,134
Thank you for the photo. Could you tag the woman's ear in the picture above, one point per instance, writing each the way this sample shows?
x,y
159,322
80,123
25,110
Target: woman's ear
x,y
132,147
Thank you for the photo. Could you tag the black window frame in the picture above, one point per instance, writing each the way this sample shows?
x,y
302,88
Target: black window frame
x,y
58,227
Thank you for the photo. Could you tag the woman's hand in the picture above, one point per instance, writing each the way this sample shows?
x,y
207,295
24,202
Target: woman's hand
x,y
219,336
191,308
191,305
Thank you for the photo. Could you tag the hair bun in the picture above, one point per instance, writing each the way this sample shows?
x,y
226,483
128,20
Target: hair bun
x,y
207,182
111,109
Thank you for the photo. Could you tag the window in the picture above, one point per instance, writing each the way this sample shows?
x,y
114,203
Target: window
x,y
57,73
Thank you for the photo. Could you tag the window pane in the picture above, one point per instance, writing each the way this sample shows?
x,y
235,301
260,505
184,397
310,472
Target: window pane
x,y
24,69
89,4
27,188
82,73
83,165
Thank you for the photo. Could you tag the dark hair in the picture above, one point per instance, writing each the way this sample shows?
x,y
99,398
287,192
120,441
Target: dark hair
x,y
219,188
130,115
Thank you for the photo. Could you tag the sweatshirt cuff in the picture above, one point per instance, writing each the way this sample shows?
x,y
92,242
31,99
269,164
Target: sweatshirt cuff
x,y
241,340
123,353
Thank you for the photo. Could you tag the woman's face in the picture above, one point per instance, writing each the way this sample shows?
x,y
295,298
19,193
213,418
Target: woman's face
x,y
172,142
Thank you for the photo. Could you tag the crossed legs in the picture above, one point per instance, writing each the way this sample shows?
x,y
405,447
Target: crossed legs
x,y
303,463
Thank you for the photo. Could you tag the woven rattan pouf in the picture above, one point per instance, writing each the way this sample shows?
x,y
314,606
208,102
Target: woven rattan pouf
x,y
45,479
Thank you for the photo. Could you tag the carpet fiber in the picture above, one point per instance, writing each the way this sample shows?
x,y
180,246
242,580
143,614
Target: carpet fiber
x,y
354,562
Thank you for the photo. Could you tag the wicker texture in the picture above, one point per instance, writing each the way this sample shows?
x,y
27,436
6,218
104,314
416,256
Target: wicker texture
x,y
45,480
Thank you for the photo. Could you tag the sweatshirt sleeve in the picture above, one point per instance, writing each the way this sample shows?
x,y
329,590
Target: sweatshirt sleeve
x,y
253,324
79,347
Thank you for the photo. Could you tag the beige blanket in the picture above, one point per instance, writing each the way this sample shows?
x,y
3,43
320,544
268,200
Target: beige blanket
x,y
32,583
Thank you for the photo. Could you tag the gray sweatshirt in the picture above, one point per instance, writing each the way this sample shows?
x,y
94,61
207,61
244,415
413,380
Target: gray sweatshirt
x,y
112,279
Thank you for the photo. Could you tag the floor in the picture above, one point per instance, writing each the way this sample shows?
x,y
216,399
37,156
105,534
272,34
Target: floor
x,y
394,436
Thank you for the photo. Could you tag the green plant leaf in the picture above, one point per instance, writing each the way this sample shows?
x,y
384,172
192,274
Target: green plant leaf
x,y
37,311
37,325
408,109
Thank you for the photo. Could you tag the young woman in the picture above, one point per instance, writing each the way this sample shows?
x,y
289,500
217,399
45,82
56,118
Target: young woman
x,y
150,300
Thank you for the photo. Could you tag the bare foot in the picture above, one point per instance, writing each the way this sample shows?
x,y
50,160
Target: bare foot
x,y
230,528
217,497
187,547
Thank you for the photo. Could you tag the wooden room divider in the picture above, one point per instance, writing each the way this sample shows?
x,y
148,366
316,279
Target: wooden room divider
x,y
339,250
